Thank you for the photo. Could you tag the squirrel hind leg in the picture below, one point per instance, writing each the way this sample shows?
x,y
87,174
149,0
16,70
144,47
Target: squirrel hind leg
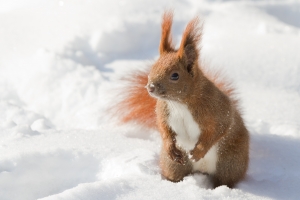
x,y
230,171
172,170
231,168
219,182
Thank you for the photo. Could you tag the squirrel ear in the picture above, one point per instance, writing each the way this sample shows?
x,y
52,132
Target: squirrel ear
x,y
189,43
166,39
191,56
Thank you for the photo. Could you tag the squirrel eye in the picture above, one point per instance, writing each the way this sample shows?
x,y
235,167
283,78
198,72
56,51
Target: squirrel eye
x,y
174,76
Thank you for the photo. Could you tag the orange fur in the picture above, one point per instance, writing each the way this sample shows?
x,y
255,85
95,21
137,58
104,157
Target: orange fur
x,y
221,83
191,36
166,41
137,106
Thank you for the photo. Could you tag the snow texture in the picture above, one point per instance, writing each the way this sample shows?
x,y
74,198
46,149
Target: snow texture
x,y
60,65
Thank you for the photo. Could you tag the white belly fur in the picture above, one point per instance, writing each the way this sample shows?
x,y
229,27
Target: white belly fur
x,y
187,134
183,124
208,164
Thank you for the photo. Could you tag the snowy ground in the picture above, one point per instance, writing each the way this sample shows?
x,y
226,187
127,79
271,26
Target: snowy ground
x,y
59,67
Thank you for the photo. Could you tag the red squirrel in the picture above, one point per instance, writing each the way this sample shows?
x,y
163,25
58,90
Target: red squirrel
x,y
198,119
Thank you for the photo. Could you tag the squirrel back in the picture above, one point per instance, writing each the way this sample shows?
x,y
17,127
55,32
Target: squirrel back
x,y
195,113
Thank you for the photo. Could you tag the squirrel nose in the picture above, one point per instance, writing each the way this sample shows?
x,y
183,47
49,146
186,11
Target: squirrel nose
x,y
151,87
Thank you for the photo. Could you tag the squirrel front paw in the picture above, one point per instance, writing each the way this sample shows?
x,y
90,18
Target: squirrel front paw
x,y
197,153
176,155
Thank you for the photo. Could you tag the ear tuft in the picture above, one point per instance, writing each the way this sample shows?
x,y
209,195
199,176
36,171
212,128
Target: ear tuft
x,y
190,40
166,39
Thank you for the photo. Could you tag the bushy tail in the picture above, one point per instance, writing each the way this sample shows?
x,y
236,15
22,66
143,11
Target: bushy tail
x,y
137,105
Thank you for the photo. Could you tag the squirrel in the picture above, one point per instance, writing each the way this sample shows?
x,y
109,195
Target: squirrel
x,y
197,117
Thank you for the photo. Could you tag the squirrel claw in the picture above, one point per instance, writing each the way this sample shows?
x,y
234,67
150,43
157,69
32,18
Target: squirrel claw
x,y
196,154
180,160
176,155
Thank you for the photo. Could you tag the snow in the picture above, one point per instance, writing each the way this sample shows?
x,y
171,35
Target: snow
x,y
60,67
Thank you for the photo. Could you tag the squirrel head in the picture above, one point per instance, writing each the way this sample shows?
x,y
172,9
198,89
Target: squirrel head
x,y
175,73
